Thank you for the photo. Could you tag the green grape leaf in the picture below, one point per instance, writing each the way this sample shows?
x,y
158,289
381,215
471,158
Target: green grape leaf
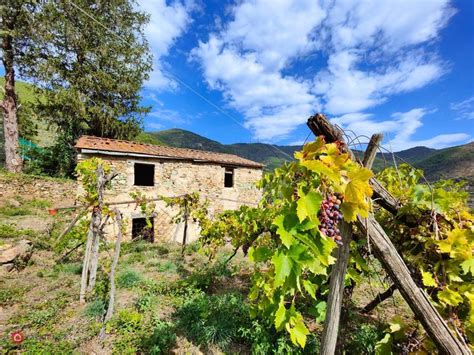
x,y
283,265
259,254
280,315
285,235
384,346
308,205
310,288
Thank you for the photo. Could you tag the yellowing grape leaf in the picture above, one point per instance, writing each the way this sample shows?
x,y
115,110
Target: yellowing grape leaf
x,y
468,266
428,279
456,244
450,297
358,188
320,168
298,333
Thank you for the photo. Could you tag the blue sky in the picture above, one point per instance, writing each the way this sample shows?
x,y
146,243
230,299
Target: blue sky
x,y
404,68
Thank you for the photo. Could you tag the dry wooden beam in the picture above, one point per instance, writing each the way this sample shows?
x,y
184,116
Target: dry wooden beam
x,y
371,151
418,301
379,299
338,273
336,291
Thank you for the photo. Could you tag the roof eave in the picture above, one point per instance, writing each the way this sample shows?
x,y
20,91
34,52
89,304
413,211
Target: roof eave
x,y
140,155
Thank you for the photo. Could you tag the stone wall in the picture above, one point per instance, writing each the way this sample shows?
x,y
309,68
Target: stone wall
x,y
29,187
175,178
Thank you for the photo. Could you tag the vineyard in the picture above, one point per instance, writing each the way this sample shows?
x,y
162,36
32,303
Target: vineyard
x,y
333,258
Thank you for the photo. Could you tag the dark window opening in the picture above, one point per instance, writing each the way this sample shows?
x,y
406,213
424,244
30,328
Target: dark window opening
x,y
144,174
229,177
141,230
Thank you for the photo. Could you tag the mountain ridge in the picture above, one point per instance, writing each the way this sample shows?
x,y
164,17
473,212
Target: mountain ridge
x,y
453,162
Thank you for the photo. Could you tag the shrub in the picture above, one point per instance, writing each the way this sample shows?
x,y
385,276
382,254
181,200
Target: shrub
x,y
213,320
95,309
363,339
10,295
162,339
128,278
167,266
12,211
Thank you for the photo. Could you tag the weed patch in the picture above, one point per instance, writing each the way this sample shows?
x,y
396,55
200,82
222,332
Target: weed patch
x,y
128,278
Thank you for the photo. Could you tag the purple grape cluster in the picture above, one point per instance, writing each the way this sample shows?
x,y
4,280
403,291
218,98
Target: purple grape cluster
x,y
330,216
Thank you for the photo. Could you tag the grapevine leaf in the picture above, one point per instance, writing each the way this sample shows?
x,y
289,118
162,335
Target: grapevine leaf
x,y
285,236
358,187
299,332
468,266
308,205
428,279
310,288
259,254
450,297
384,346
280,315
319,167
283,267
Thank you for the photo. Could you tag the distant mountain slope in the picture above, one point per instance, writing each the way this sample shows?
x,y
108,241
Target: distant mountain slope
x,y
455,162
181,138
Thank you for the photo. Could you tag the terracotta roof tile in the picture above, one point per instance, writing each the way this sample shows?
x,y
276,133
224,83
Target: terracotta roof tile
x,y
120,146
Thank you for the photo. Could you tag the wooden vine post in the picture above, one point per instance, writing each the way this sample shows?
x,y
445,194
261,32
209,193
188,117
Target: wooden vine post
x,y
91,254
336,282
391,260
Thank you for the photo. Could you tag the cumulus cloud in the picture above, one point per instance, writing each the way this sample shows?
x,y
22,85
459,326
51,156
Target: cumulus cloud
x,y
399,129
374,49
167,23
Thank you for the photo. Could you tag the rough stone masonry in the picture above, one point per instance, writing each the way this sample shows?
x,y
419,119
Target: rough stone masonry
x,y
225,180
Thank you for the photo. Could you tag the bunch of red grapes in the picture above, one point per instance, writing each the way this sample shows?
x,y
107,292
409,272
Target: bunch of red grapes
x,y
330,216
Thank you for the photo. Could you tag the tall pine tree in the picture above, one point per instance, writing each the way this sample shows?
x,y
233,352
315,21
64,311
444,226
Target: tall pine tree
x,y
88,60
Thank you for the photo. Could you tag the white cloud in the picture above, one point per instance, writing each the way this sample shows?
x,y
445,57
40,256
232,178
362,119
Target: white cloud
x,y
272,103
374,50
167,23
465,109
275,31
399,130
167,115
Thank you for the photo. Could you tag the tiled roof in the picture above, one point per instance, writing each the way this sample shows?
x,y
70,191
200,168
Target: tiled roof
x,y
126,147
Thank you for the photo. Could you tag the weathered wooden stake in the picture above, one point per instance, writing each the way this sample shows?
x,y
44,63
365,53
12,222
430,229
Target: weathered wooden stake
x,y
338,273
185,230
418,301
431,320
118,241
336,291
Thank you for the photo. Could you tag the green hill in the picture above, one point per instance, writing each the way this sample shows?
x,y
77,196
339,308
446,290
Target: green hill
x,y
46,135
455,162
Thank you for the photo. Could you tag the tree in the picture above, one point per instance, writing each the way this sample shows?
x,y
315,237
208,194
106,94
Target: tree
x,y
88,60
15,26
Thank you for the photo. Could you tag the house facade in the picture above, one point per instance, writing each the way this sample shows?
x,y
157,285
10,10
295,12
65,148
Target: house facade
x,y
225,180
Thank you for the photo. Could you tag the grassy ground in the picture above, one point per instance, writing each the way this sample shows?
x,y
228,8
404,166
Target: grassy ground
x,y
166,302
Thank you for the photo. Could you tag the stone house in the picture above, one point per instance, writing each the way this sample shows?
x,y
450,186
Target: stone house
x,y
225,180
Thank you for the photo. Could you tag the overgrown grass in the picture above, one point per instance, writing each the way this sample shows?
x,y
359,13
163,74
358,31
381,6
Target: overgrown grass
x,y
9,231
128,278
